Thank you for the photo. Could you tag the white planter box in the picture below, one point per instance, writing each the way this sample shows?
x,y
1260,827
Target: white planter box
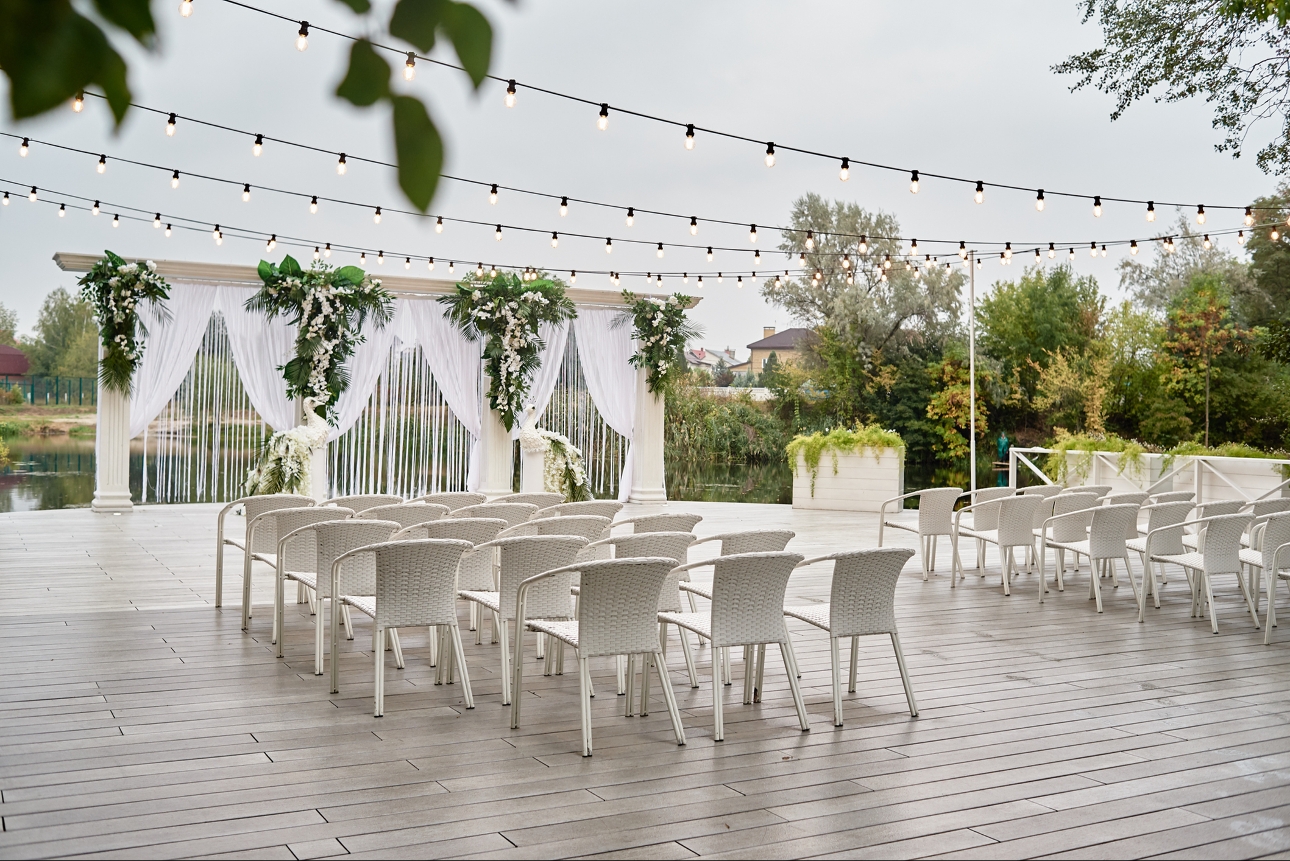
x,y
1254,476
863,480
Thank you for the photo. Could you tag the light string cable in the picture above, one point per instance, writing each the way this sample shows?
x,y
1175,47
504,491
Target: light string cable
x,y
845,162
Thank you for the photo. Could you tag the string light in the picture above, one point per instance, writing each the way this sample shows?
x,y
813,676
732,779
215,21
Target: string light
x,y
844,173
770,155
1151,210
246,192
258,146
268,245
810,241
186,8
341,167
1274,235
913,182
492,272
317,253
1200,214
62,210
1249,217
174,180
327,250
886,263
719,278
659,252
846,261
1240,237
1133,246
219,237
410,67
168,229
1097,206
694,226
864,245
913,246
116,222
430,264
362,258
1208,245
23,147
479,270
1092,249
380,258
963,250
102,166
1039,201
979,262
156,220
1038,257
555,240
492,194
685,277
573,276
850,279
709,253
752,233
738,281
78,104
313,205
1003,261
94,210
631,216
1052,251
609,245
497,234
602,121
1103,250
510,93
659,282
801,258
756,258
302,38
438,225
979,197
376,216
170,126
1071,255
31,195
689,137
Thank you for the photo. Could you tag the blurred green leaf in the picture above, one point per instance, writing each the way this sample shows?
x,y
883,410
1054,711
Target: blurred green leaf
x,y
415,21
290,267
419,148
472,36
133,16
362,7
265,270
368,78
351,273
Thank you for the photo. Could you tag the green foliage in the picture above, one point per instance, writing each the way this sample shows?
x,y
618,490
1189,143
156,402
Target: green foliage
x,y
506,311
4,455
1057,465
63,318
722,376
15,397
81,358
8,327
661,328
115,289
812,447
367,80
1268,298
12,428
705,428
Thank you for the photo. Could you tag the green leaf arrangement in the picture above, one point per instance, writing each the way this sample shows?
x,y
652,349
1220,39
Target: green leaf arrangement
x,y
115,289
505,311
329,308
661,327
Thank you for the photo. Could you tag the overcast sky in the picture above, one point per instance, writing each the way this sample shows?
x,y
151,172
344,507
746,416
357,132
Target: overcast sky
x,y
963,89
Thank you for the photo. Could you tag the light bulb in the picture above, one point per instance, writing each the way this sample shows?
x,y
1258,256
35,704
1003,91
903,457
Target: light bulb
x,y
273,241
1052,251
659,252
497,234
1097,206
438,225
479,270
492,272
756,258
376,216
1039,201
631,216
810,241
801,258
302,38
341,167
979,263
268,245
313,205
1071,255
844,172
174,180
846,261
1249,216
573,276
739,281
1208,245
602,121
167,231
102,166
1103,250
156,220
78,103
1274,235
709,253
327,250
1092,249
694,226
62,210
609,245
430,264
770,155
492,194
452,267
1133,246
219,237
510,94
979,197
1200,214
752,233
913,182
94,210
317,253
246,193
564,206
719,278
170,126
186,8
31,195
962,250
410,67
1007,250
689,136
1240,237
864,245
407,262
362,258
1151,210
1038,257
851,279
1003,261
555,240
698,283
23,147
659,282
886,264
913,246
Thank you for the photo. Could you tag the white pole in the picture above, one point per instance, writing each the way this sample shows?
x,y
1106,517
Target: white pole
x,y
972,370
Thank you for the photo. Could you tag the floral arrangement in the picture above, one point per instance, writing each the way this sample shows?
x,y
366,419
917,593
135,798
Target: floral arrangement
x,y
505,311
562,467
864,436
114,289
328,307
661,327
286,459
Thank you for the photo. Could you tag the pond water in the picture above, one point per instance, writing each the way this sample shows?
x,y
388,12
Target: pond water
x,y
47,472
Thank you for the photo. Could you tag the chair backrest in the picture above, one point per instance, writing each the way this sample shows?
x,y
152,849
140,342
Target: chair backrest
x,y
1016,520
1275,533
1044,490
598,507
405,513
358,573
1173,496
416,582
1108,529
1163,515
1070,528
1218,508
755,541
540,499
987,516
364,501
528,555
665,522
1043,510
1100,489
748,597
936,510
1265,507
300,552
618,605
862,599
265,539
476,570
668,545
588,526
454,499
1136,497
1223,543
511,512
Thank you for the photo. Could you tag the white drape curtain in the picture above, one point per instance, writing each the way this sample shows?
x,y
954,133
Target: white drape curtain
x,y
260,347
605,352
365,367
555,337
456,365
169,350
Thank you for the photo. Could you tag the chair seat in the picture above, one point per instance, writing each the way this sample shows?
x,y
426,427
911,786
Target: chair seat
x,y
699,623
1191,541
697,589
309,578
908,527
817,615
1186,560
266,558
1252,557
564,631
491,600
1080,547
1137,545
990,535
239,543
365,604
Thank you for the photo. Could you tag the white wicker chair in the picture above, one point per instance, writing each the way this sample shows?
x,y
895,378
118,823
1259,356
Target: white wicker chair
x,y
335,539
363,501
1100,489
253,506
983,504
454,499
597,507
1218,554
1105,542
414,587
862,602
733,543
1047,491
747,610
1134,497
1264,507
540,499
619,617
1066,529
405,513
1160,515
1218,508
935,518
297,558
518,559
1265,535
672,522
511,512
1173,496
589,526
259,531
1016,516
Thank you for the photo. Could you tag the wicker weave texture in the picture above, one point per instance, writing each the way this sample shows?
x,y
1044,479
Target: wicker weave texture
x,y
358,573
666,545
986,517
363,501
1174,496
1016,519
527,556
748,597
511,512
454,499
1165,514
405,513
540,499
936,510
1098,490
618,613
585,526
1223,543
1264,507
266,536
1107,530
755,541
301,552
862,599
1071,528
416,582
1275,532
666,522
1219,508
597,507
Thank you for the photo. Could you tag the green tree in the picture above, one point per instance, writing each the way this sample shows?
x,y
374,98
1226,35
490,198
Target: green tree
x,y
61,327
1155,285
722,376
8,327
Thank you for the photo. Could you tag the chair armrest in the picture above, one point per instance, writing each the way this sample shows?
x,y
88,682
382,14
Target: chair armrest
x,y
1276,557
335,566
1085,512
698,564
710,538
815,559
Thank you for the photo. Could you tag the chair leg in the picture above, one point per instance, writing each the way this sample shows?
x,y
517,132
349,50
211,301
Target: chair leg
x,y
923,543
460,654
1115,580
646,659
1272,609
246,590
378,649
518,681
718,724
1061,570
504,635
1249,600
1006,565
956,563
279,611
855,656
904,674
1209,597
433,633
219,574
1094,585
541,646
689,656
318,636
620,664
335,646
629,689
931,560
660,664
349,623
749,672
837,680
790,665
585,701
398,647
478,610
761,672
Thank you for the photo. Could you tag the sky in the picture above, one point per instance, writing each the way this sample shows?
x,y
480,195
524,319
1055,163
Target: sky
x,y
942,87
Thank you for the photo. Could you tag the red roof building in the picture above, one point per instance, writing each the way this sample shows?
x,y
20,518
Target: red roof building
x,y
13,362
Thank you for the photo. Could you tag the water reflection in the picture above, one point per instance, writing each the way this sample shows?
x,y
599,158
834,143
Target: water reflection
x,y
47,472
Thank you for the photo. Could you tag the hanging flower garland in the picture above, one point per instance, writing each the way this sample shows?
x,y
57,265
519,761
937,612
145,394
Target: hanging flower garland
x,y
563,471
661,327
505,311
115,289
328,307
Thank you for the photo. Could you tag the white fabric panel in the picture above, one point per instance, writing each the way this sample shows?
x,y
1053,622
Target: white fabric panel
x,y
169,350
547,375
605,353
366,367
260,347
456,364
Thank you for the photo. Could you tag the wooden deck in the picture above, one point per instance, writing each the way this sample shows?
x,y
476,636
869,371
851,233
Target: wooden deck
x,y
138,721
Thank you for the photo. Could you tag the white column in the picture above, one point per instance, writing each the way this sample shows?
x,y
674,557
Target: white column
x,y
532,471
112,452
495,466
647,446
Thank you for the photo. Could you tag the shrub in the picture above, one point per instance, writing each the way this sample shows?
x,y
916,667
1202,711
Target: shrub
x,y
840,440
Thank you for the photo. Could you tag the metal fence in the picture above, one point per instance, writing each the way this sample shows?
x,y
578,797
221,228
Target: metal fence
x,y
52,391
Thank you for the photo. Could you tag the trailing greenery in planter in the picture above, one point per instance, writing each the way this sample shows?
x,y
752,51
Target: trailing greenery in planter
x,y
1058,468
115,289
843,440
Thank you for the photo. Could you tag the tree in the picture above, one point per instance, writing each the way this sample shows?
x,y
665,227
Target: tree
x,y
1269,298
722,376
63,323
50,52
1155,285
8,327
1234,53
